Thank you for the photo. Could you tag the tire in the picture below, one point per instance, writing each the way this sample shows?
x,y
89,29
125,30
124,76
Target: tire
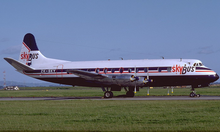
x,y
111,94
192,94
130,94
108,94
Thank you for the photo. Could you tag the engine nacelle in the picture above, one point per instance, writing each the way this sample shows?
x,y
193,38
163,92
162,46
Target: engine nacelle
x,y
126,80
133,78
145,80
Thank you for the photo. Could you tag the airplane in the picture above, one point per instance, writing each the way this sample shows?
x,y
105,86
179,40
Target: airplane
x,y
112,75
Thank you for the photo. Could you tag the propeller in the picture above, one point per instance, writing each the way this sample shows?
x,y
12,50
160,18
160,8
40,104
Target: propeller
x,y
135,78
147,74
146,79
135,74
132,78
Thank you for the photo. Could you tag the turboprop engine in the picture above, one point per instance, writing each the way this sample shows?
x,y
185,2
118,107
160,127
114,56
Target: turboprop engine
x,y
145,80
127,80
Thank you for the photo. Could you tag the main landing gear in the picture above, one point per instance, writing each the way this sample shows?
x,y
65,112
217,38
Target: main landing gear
x,y
130,94
193,94
109,94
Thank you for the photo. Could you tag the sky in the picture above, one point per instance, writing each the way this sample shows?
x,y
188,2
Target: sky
x,y
85,30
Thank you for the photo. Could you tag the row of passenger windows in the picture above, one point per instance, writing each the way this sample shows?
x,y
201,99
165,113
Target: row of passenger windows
x,y
129,70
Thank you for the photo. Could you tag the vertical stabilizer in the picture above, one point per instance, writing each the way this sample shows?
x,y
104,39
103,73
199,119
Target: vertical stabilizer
x,y
30,53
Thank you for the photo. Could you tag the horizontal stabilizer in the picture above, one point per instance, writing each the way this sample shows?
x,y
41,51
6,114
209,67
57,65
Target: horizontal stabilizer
x,y
18,65
87,75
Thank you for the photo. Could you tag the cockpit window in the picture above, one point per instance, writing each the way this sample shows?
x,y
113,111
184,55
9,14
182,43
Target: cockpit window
x,y
200,64
197,64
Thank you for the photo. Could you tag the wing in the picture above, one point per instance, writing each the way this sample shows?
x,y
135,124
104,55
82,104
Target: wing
x,y
87,75
18,65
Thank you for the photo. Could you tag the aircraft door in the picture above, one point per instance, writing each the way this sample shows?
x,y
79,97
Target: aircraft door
x,y
59,71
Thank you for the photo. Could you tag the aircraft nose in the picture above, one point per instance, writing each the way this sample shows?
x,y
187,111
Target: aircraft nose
x,y
216,77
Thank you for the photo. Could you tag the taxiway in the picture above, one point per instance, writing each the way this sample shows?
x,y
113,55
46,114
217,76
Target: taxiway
x,y
204,97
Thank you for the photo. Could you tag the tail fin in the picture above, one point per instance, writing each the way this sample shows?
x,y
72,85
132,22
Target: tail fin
x,y
30,53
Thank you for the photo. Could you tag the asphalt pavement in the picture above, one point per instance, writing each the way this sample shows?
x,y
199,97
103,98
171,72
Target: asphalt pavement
x,y
203,97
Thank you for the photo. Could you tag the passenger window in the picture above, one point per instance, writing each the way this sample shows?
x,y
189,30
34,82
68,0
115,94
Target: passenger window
x,y
97,70
145,69
137,70
168,69
159,70
129,70
113,70
121,70
105,70
194,64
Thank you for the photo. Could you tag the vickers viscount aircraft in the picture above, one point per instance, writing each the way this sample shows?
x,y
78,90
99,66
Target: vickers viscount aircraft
x,y
112,75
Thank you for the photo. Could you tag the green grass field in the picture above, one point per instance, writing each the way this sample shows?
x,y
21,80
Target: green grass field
x,y
90,115
107,115
88,92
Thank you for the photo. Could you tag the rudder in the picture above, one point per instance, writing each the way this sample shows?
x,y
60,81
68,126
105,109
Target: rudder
x,y
29,40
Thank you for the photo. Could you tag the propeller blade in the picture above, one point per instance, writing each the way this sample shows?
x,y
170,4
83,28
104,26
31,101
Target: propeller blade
x,y
135,89
147,74
135,77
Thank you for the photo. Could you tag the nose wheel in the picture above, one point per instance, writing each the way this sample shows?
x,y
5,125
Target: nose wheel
x,y
192,94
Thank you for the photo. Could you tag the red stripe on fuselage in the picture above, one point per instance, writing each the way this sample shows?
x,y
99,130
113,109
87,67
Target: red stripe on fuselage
x,y
204,71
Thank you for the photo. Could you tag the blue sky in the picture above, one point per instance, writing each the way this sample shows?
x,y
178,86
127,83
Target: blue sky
x,y
110,29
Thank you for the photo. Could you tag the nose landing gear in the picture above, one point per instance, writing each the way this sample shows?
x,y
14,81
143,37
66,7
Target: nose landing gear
x,y
193,94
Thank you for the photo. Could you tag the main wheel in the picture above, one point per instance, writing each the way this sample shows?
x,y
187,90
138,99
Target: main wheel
x,y
130,94
108,94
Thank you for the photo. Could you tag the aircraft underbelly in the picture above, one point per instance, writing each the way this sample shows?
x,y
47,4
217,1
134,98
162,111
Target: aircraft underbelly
x,y
157,81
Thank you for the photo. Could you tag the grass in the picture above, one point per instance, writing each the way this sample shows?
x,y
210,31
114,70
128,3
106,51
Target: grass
x,y
91,115
88,92
107,115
